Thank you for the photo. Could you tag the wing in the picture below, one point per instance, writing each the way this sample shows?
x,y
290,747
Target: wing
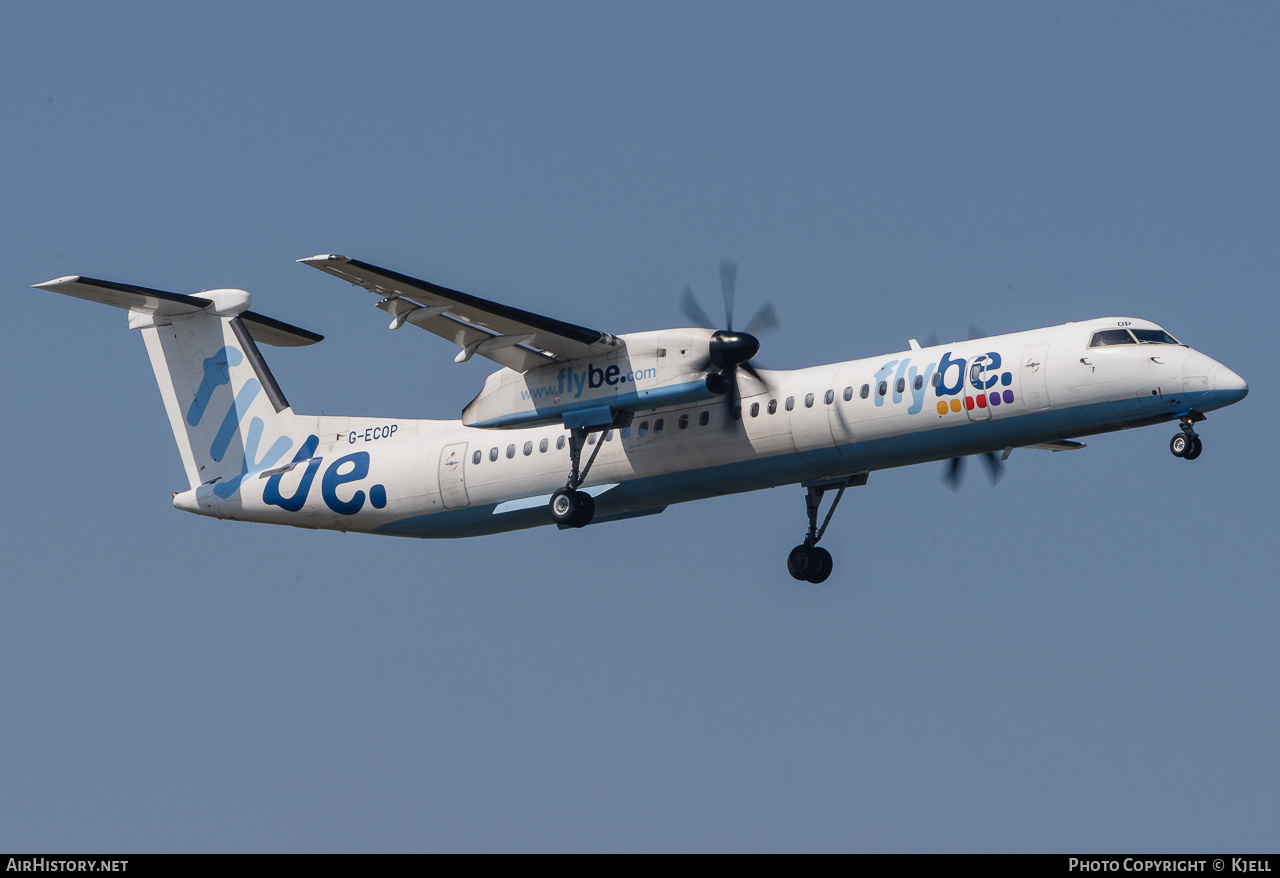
x,y
519,340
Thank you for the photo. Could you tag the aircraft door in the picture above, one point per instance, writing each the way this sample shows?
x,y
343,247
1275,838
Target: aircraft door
x,y
453,483
975,396
1035,377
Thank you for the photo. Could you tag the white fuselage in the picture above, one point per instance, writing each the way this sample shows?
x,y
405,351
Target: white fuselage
x,y
428,478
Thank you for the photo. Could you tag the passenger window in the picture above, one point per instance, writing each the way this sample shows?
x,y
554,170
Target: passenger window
x,y
643,429
974,371
528,448
683,422
808,401
791,403
937,379
608,436
542,447
493,454
560,442
625,432
883,388
657,426
866,391
773,406
475,458
919,382
1108,337
755,409
704,418
831,397
902,385
591,438
736,413
848,393
511,451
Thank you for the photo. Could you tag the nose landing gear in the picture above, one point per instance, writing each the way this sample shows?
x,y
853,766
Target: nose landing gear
x,y
1187,444
809,562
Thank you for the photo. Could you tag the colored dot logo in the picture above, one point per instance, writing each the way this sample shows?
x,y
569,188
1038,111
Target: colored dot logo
x,y
981,401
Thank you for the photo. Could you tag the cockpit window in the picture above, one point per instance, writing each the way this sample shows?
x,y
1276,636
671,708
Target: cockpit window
x,y
1109,337
1154,336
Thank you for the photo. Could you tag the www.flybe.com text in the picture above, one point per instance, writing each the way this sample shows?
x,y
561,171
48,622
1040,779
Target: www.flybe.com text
x,y
571,381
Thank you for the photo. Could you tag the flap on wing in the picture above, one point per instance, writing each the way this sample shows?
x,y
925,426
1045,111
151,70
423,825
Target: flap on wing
x,y
1057,445
158,303
518,339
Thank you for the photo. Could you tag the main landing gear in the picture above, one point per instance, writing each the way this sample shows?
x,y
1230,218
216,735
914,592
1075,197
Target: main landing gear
x,y
809,562
1187,444
570,507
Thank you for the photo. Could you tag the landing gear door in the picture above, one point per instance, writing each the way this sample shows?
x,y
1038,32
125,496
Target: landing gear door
x,y
453,484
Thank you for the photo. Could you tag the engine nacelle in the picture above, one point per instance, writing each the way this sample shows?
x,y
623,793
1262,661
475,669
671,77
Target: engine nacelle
x,y
650,370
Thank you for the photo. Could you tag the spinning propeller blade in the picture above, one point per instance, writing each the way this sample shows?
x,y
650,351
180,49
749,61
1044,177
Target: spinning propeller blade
x,y
765,320
728,283
689,305
953,475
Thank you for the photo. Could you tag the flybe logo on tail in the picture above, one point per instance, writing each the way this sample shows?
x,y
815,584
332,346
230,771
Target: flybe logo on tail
x,y
350,468
217,372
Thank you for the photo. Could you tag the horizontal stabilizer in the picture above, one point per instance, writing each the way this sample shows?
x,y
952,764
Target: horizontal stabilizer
x,y
158,303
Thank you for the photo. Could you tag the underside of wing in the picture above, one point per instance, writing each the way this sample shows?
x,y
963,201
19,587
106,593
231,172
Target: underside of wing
x,y
519,340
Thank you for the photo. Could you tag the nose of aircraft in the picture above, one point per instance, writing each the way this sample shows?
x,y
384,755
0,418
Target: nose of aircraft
x,y
1228,386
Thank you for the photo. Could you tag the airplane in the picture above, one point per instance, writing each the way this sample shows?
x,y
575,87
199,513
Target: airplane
x,y
661,417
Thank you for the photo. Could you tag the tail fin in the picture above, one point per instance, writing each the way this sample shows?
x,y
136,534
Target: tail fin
x,y
228,415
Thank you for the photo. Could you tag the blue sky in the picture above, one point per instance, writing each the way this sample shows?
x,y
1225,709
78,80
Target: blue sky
x,y
1081,659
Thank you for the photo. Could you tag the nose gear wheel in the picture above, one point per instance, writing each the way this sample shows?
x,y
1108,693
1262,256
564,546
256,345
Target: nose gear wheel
x,y
1187,444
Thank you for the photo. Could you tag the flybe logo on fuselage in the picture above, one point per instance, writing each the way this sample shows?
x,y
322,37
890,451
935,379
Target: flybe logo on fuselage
x,y
348,468
901,380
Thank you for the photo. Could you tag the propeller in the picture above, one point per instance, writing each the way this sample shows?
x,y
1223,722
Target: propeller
x,y
953,475
730,350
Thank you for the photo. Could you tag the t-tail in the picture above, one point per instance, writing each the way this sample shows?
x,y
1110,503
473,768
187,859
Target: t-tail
x,y
229,416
